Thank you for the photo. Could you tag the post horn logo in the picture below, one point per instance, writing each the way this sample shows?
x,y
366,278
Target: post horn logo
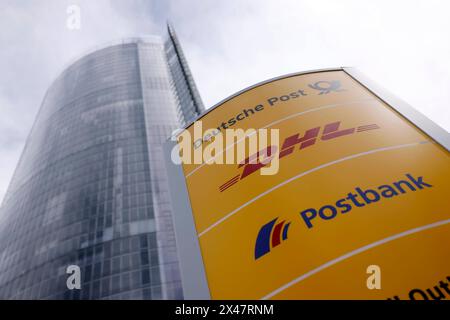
x,y
326,87
267,239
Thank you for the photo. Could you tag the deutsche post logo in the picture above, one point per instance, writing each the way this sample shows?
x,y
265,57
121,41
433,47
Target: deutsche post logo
x,y
325,87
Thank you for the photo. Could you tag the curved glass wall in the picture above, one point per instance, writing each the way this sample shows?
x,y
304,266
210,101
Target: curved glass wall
x,y
90,189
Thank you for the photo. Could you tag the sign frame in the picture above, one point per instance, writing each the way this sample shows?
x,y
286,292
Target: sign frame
x,y
193,275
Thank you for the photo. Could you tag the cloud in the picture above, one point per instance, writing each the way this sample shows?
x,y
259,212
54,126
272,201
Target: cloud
x,y
229,45
400,44
37,45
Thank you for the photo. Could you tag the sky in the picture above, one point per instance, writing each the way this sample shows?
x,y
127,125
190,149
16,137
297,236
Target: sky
x,y
229,44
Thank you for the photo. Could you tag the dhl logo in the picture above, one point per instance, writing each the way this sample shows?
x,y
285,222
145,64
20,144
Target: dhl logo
x,y
254,162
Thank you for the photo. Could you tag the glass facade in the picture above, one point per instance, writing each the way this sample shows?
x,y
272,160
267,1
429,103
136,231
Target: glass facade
x,y
190,105
90,187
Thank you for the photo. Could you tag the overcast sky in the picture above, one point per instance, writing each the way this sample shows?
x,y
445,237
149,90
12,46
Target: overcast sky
x,y
229,44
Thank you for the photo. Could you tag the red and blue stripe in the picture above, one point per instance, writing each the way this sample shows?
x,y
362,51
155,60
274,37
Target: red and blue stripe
x,y
270,236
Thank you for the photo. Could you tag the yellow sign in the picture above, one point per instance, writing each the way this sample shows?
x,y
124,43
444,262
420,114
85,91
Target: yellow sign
x,y
359,208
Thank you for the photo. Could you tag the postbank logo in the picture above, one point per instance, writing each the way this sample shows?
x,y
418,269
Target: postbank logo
x,y
272,234
269,236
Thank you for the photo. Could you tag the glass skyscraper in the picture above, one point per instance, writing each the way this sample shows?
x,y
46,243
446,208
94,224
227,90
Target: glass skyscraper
x,y
90,188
